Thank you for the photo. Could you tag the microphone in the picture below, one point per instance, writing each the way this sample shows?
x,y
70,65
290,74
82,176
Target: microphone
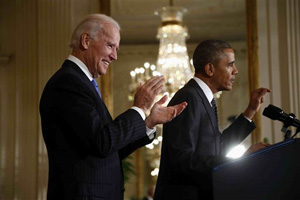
x,y
276,113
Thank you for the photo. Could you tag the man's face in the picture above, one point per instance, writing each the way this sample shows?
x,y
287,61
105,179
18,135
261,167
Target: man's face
x,y
103,51
225,71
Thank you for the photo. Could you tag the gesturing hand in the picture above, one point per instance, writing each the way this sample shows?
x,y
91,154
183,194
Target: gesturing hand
x,y
257,97
160,114
146,93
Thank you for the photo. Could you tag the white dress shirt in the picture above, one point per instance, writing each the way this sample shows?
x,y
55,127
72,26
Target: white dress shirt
x,y
207,91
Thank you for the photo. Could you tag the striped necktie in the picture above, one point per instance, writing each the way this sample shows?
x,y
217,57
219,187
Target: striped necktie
x,y
96,87
214,107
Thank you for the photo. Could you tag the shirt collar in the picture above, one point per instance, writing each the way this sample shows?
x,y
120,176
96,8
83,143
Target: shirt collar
x,y
207,91
81,65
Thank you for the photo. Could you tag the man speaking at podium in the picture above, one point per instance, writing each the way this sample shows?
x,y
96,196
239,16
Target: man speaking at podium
x,y
192,143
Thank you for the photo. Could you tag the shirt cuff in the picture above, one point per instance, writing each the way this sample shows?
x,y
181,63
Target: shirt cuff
x,y
149,132
247,119
140,111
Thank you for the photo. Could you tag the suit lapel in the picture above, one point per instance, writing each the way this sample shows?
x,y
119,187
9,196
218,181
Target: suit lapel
x,y
73,67
206,104
84,78
210,113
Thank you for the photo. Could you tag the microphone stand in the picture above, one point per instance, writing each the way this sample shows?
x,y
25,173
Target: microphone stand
x,y
287,133
288,122
297,131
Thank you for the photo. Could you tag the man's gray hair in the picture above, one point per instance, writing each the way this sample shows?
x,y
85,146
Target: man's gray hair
x,y
92,24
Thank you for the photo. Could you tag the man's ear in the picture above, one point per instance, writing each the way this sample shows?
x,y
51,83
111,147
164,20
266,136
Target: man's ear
x,y
209,69
85,41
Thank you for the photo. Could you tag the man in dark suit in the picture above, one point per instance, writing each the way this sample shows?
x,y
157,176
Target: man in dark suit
x,y
85,145
192,143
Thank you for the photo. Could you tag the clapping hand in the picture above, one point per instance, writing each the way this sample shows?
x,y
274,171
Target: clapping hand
x,y
144,99
160,114
146,93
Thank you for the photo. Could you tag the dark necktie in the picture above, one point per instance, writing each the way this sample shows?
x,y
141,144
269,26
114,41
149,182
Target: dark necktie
x,y
214,107
96,87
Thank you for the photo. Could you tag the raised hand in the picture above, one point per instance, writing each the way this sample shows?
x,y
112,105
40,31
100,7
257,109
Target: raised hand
x,y
257,97
146,93
160,114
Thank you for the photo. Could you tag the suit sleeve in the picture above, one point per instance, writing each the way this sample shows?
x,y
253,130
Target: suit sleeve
x,y
84,120
126,151
236,133
191,141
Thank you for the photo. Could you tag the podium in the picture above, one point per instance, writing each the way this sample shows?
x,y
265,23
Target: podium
x,y
271,173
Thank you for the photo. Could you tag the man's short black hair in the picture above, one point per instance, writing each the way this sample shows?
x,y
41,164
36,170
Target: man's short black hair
x,y
208,51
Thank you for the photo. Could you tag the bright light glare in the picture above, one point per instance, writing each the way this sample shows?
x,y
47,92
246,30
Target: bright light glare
x,y
146,65
159,138
236,152
155,172
155,142
150,146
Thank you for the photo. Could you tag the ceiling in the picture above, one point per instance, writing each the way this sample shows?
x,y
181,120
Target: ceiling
x,y
219,19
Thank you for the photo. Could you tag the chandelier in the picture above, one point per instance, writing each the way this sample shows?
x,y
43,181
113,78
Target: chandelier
x,y
173,59
172,62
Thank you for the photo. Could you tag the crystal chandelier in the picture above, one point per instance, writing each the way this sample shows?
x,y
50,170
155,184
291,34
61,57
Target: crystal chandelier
x,y
173,59
173,63
140,75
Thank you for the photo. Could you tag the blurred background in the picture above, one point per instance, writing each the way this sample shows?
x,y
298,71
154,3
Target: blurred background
x,y
34,37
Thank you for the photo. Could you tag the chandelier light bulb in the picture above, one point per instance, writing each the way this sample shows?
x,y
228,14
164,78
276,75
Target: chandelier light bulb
x,y
146,65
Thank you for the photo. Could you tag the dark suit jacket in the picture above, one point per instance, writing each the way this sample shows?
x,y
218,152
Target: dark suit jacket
x,y
85,145
193,145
